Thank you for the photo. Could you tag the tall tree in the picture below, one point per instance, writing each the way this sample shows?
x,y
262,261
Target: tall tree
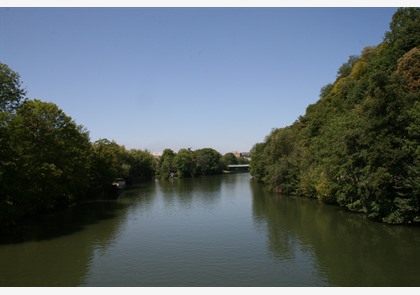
x,y
166,164
109,161
358,145
185,163
142,164
229,159
209,161
12,94
49,161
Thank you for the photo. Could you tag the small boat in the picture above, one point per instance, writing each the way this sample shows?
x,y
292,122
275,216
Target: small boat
x,y
119,184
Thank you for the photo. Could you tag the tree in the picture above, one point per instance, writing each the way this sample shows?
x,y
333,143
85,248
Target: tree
x,y
209,161
166,164
229,159
48,165
12,94
167,153
358,146
142,164
409,68
185,163
347,67
404,26
259,161
109,161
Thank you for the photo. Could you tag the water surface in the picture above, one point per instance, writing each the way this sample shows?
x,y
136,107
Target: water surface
x,y
210,231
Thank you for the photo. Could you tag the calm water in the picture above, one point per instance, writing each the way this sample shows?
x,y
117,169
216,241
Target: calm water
x,y
211,231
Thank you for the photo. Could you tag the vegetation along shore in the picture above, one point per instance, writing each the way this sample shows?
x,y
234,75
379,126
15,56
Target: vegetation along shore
x,y
357,146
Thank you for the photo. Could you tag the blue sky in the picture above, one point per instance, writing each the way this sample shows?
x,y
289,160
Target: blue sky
x,y
156,78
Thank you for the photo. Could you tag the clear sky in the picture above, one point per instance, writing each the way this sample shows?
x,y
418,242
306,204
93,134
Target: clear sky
x,y
156,78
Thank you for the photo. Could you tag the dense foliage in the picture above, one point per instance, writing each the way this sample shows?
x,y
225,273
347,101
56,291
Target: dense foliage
x,y
109,160
358,145
189,163
47,161
46,165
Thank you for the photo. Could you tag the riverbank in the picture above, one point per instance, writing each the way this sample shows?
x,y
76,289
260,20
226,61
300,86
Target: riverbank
x,y
216,231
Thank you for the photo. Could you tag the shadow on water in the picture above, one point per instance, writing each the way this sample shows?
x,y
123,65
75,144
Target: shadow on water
x,y
65,222
77,218
314,243
57,249
350,249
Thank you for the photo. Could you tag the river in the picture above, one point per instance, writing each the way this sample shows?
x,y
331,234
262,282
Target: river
x,y
210,231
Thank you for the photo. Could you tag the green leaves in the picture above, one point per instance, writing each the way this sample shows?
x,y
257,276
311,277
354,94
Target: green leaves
x,y
405,28
209,161
189,163
11,93
109,160
48,162
185,163
47,159
358,146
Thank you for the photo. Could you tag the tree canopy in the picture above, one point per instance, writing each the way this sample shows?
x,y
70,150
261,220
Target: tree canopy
x,y
11,92
358,145
200,162
47,161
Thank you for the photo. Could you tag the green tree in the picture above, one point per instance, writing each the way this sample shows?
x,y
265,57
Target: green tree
x,y
409,69
185,163
209,161
242,160
347,67
229,159
404,35
167,153
259,161
142,164
48,166
166,164
12,94
358,145
109,161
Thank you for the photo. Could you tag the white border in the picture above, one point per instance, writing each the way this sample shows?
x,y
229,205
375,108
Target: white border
x,y
209,3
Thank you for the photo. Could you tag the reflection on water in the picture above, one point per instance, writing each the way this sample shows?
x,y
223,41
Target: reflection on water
x,y
210,231
56,250
349,249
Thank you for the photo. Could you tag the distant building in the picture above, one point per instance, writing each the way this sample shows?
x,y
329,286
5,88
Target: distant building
x,y
246,154
237,154
157,154
242,154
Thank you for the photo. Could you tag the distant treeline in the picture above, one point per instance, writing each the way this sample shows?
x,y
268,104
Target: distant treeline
x,y
47,161
188,163
358,145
